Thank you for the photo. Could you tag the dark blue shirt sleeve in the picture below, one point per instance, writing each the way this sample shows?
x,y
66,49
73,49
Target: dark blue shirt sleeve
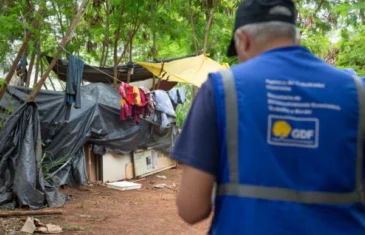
x,y
198,143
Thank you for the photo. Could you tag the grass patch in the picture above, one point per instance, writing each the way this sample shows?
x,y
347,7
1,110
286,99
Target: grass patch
x,y
81,205
69,227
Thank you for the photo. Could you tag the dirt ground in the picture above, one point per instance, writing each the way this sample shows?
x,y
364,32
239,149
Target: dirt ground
x,y
99,210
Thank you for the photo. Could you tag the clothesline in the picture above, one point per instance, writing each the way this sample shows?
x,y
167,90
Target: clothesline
x,y
90,65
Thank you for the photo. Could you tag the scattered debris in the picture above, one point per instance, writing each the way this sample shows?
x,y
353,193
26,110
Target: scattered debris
x,y
34,225
29,226
171,186
85,216
161,176
97,183
124,185
160,186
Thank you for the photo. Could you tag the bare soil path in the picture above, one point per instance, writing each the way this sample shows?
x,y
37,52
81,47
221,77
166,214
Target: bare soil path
x,y
99,210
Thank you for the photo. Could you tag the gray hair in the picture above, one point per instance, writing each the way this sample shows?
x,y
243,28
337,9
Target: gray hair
x,y
263,32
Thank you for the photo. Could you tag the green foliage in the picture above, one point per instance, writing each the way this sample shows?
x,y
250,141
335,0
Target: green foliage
x,y
319,45
49,164
352,50
183,109
180,29
2,82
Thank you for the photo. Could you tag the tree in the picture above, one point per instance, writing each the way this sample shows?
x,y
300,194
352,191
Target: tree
x,y
116,31
351,49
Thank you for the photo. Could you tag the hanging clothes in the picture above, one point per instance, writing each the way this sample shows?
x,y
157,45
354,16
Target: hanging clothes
x,y
125,101
165,113
73,81
136,97
150,105
177,96
134,102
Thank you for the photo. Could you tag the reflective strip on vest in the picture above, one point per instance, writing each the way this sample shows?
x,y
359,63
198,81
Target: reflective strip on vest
x,y
234,188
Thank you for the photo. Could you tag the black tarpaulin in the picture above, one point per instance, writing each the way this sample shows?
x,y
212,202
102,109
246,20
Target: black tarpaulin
x,y
21,177
96,122
95,74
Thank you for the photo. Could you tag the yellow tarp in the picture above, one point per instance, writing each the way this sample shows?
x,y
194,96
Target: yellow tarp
x,y
193,70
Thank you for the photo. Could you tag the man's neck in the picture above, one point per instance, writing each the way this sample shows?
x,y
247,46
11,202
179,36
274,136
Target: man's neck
x,y
274,44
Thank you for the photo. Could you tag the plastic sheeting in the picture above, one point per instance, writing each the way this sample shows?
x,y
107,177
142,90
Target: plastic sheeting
x,y
193,70
96,122
21,177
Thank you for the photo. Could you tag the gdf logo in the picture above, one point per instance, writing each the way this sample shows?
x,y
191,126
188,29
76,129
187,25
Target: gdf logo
x,y
302,134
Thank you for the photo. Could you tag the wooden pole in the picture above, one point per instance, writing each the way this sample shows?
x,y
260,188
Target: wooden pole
x,y
31,65
50,80
45,85
64,41
154,52
37,63
30,213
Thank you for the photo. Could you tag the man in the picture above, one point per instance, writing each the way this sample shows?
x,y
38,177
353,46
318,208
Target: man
x,y
281,133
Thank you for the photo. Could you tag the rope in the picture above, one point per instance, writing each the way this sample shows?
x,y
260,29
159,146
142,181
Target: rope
x,y
91,65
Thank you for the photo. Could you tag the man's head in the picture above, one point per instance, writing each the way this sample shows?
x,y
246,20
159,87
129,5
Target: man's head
x,y
262,25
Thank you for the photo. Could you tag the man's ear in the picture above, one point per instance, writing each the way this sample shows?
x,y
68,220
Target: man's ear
x,y
240,40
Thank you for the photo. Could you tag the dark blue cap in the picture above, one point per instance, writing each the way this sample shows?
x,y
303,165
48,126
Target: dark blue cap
x,y
259,11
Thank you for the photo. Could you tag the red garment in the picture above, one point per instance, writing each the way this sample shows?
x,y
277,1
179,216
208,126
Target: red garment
x,y
122,91
130,95
137,111
150,105
125,110
133,106
125,107
140,110
144,100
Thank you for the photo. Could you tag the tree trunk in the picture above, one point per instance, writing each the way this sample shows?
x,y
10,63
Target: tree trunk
x,y
75,21
31,65
107,37
37,63
9,76
195,39
208,26
24,67
49,77
59,17
52,84
130,59
154,50
115,58
106,54
44,84
102,54
196,45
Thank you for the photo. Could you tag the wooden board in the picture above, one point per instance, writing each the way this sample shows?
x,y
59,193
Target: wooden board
x,y
114,166
129,171
148,162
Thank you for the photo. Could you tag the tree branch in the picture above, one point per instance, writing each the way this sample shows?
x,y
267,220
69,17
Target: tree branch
x,y
64,41
209,25
192,21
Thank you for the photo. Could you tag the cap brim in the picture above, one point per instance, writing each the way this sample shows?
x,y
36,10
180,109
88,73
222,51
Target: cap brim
x,y
231,49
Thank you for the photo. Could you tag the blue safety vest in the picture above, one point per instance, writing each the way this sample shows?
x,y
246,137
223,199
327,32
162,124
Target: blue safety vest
x,y
291,133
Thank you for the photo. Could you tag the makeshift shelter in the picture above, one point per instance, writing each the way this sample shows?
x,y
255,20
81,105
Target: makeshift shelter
x,y
64,132
94,74
193,70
